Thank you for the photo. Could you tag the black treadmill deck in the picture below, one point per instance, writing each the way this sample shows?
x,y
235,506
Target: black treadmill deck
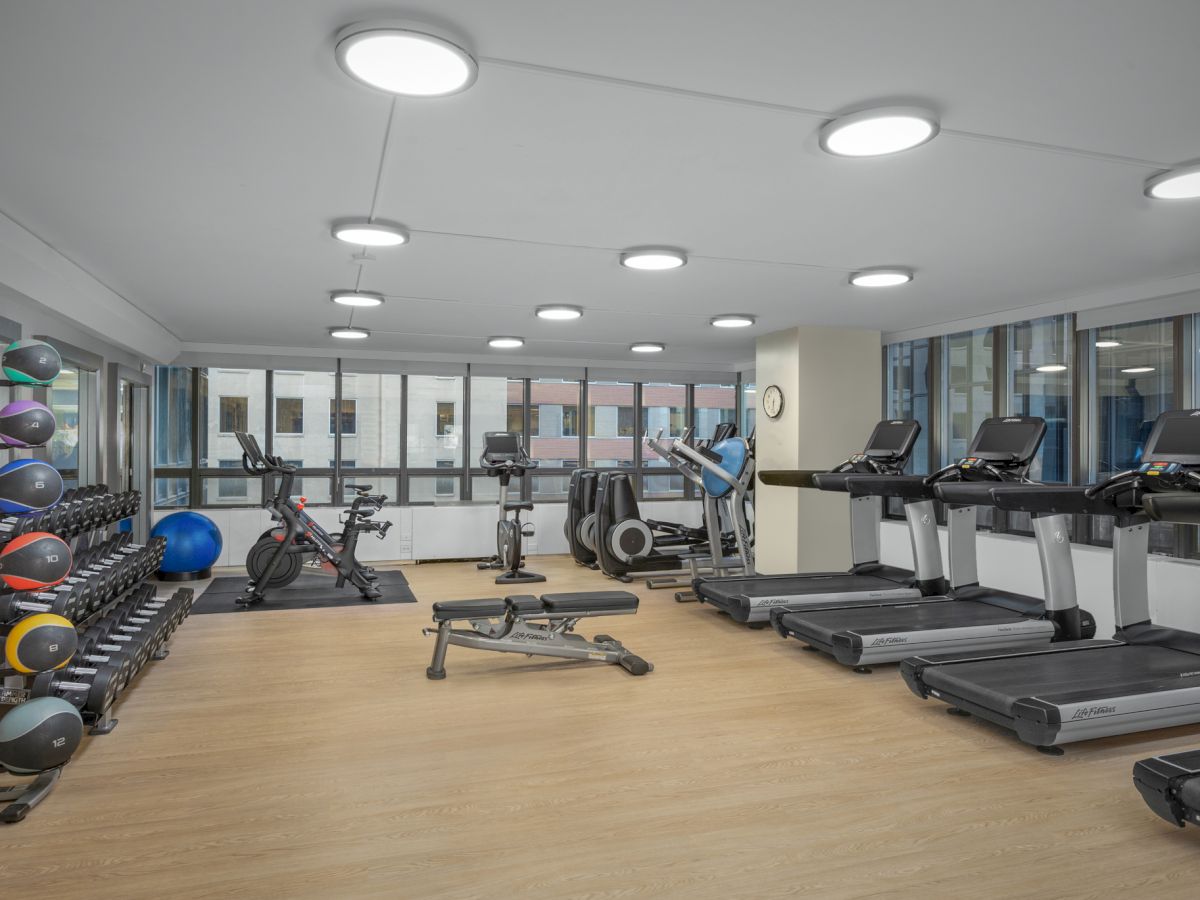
x,y
1066,677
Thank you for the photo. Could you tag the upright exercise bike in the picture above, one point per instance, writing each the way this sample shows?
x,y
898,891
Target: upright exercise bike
x,y
280,554
503,458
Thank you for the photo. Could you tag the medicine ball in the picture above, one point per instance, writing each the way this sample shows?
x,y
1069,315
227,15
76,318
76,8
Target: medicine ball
x,y
34,561
31,362
42,642
26,423
27,486
39,735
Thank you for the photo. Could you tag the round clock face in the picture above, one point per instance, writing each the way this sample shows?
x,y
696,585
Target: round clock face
x,y
773,401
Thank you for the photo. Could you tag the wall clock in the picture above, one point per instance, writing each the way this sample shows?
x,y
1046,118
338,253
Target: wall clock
x,y
773,401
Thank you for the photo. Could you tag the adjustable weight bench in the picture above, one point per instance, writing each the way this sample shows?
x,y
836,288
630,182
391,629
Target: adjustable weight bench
x,y
535,626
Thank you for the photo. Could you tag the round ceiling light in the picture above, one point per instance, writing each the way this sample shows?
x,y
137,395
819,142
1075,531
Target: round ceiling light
x,y
1176,184
653,259
356,298
370,234
403,61
1138,370
506,342
349,333
1052,367
1107,345
732,320
647,347
559,312
878,132
881,277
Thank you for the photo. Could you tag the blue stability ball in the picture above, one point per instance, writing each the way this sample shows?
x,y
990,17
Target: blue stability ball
x,y
193,545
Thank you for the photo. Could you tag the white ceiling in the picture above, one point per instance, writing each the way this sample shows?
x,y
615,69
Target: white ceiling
x,y
192,155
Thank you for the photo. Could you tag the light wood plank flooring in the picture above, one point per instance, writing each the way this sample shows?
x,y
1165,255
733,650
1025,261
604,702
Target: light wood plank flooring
x,y
304,754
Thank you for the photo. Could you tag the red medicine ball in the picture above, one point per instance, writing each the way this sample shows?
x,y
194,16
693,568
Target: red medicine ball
x,y
34,561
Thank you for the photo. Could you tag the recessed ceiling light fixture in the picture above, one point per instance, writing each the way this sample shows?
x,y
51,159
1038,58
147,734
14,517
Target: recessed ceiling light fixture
x,y
1176,184
647,347
653,259
878,132
356,298
1138,370
881,276
506,342
349,333
370,234
401,60
732,320
559,312
1052,367
1107,345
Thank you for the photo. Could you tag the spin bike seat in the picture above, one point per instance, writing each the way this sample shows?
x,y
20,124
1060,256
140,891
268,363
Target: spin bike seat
x,y
510,505
360,488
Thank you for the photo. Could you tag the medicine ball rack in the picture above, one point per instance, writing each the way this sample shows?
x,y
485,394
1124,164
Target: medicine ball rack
x,y
120,623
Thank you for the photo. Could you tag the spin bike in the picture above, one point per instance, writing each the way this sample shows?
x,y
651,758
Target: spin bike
x,y
281,553
504,457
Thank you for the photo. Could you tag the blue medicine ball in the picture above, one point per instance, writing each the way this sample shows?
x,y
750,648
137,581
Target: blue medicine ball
x,y
193,545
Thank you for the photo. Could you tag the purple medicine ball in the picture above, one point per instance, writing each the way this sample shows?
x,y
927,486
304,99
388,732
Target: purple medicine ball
x,y
26,423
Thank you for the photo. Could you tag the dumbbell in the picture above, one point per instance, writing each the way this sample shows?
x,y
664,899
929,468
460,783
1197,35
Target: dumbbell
x,y
65,603
90,690
92,653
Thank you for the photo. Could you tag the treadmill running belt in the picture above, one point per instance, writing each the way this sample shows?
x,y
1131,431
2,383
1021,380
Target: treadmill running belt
x,y
796,585
824,623
998,684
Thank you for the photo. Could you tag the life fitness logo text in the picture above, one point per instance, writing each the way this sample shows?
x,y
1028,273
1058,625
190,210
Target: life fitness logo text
x,y
1090,712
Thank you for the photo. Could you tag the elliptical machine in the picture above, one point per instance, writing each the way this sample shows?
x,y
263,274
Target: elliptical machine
x,y
279,555
503,457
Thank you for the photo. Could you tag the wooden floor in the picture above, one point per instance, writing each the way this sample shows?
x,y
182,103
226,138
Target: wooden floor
x,y
304,754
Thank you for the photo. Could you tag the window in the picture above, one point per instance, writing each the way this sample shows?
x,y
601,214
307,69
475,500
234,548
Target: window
x,y
624,421
554,430
64,403
172,417
228,400
232,488
289,415
749,408
570,421
497,404
434,437
967,367
376,439
446,487
664,407
715,403
234,414
1038,387
1133,381
908,375
610,431
347,422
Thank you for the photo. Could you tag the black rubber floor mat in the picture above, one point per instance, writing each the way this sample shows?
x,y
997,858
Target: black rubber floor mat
x,y
309,591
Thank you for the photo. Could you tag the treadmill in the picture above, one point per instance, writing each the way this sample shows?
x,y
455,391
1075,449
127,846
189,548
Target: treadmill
x,y
1148,676
970,617
1170,785
750,599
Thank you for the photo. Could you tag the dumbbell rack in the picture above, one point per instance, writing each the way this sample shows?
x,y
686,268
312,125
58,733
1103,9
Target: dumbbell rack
x,y
119,619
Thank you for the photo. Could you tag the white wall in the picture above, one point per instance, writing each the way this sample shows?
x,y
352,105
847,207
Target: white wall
x,y
428,532
830,380
1010,562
